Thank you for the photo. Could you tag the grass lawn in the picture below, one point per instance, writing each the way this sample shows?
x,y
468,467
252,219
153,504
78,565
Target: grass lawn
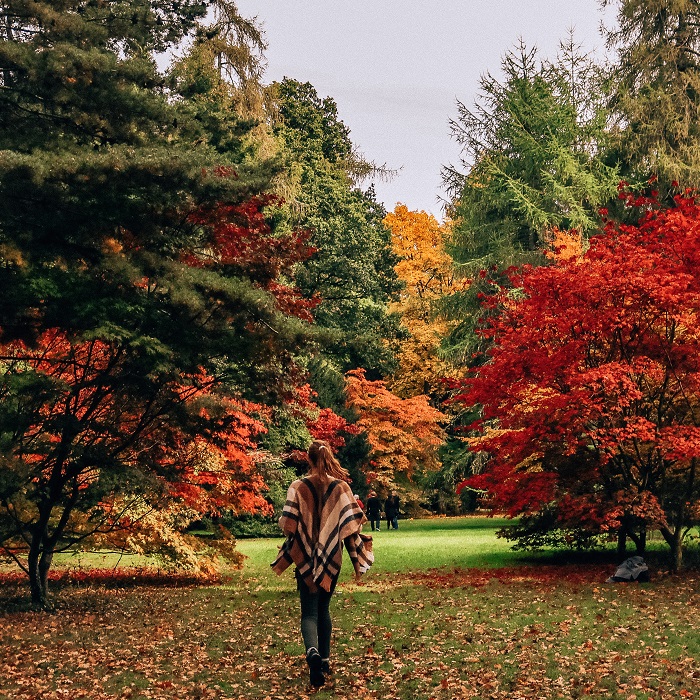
x,y
417,545
447,612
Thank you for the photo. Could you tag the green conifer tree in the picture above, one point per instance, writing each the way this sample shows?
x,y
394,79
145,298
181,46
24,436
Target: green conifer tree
x,y
655,85
138,267
531,161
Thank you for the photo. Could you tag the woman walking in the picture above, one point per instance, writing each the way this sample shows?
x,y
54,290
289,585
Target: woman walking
x,y
320,516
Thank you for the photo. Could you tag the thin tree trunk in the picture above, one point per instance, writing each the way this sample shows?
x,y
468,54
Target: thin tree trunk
x,y
639,539
38,573
677,550
44,566
674,539
642,543
621,542
41,550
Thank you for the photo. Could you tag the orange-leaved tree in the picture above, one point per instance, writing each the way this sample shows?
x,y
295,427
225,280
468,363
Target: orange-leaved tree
x,y
93,462
403,434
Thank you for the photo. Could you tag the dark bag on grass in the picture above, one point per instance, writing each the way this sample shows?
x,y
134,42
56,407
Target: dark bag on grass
x,y
632,569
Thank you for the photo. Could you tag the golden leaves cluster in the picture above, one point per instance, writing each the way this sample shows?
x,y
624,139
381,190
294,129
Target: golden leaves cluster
x,y
427,271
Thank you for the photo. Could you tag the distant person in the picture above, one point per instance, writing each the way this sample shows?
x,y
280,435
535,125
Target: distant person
x,y
359,501
374,510
391,509
320,515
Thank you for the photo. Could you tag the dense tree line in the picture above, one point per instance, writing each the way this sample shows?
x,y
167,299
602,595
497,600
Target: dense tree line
x,y
197,278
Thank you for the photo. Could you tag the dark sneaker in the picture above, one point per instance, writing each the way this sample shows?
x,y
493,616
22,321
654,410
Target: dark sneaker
x,y
325,667
313,659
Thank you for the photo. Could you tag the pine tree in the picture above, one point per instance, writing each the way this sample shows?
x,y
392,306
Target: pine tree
x,y
656,90
146,292
529,150
531,162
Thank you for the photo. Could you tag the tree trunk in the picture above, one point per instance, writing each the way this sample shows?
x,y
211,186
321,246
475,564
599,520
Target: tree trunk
x,y
38,574
621,543
674,539
41,549
44,566
677,550
639,539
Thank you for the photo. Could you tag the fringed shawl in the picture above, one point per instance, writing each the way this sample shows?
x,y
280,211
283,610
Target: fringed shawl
x,y
317,518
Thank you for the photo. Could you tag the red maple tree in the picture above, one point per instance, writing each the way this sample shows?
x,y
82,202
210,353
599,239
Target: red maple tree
x,y
591,393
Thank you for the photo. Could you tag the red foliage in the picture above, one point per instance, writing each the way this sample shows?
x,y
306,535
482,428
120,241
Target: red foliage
x,y
329,426
125,471
591,397
549,575
322,423
121,577
240,237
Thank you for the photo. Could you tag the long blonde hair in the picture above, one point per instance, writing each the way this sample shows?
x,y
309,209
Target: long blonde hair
x,y
323,462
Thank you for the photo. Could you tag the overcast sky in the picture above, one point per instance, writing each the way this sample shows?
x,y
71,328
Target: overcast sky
x,y
396,67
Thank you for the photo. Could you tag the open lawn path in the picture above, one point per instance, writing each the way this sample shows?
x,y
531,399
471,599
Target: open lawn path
x,y
504,630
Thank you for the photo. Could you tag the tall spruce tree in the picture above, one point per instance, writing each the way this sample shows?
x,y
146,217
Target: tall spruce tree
x,y
529,157
531,162
145,292
655,84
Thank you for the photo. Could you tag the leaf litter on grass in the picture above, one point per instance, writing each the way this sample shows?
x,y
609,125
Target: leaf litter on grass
x,y
456,634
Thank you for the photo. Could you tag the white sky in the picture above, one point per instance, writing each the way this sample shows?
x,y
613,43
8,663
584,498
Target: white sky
x,y
396,67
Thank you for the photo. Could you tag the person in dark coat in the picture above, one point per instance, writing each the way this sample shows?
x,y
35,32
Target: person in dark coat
x,y
391,509
374,510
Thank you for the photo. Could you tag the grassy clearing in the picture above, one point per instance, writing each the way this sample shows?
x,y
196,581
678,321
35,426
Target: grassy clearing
x,y
422,626
417,545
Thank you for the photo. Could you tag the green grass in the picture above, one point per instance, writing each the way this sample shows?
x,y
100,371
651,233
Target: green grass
x,y
103,560
417,545
441,542
438,617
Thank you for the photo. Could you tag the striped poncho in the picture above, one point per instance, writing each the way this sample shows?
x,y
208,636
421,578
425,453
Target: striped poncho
x,y
318,518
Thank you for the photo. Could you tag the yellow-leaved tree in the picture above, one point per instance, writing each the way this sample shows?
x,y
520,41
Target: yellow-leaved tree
x,y
418,238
